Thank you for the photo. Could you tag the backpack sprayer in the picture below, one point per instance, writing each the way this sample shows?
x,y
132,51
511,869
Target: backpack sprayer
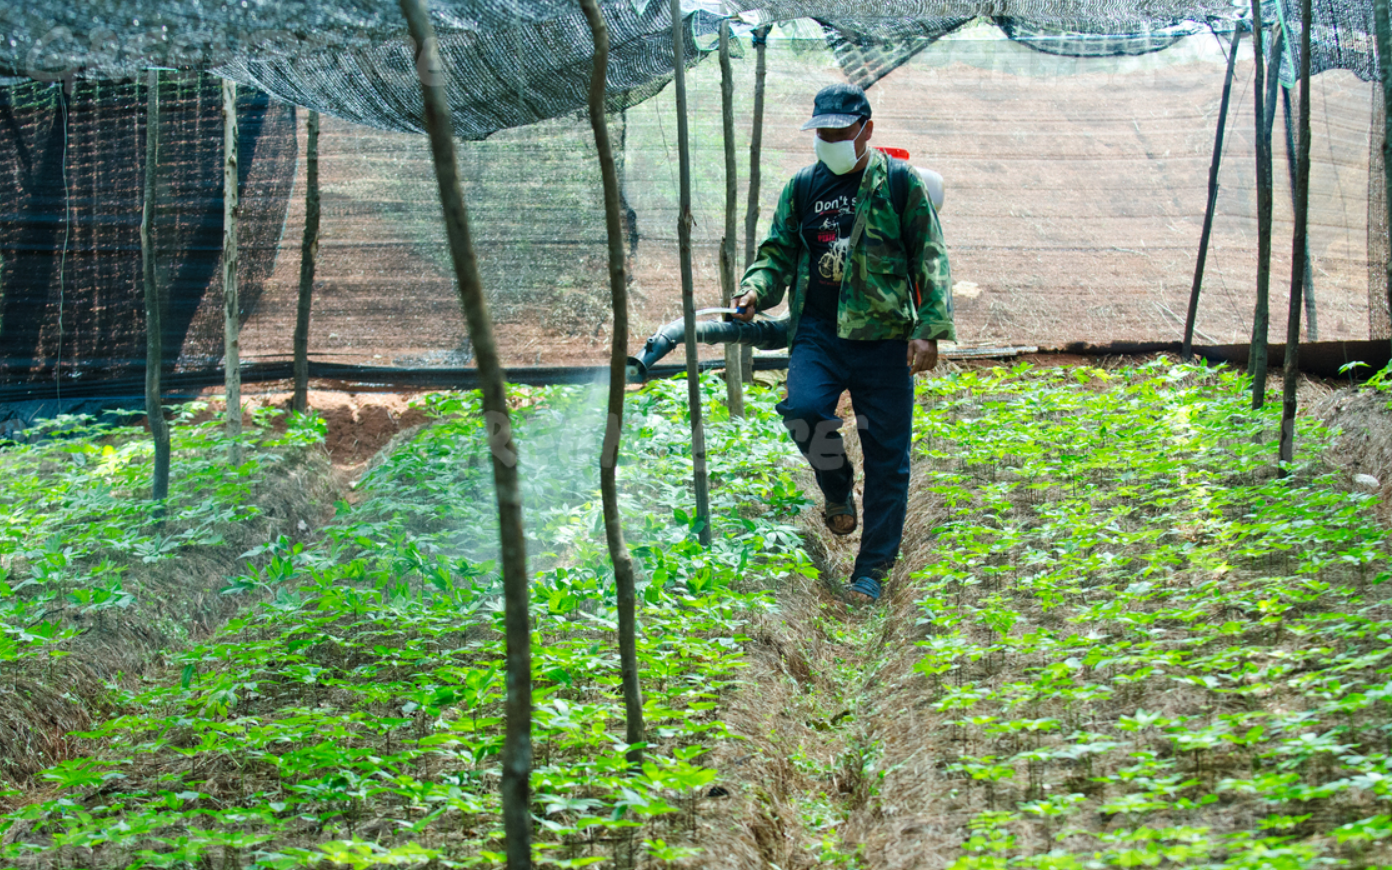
x,y
931,180
770,334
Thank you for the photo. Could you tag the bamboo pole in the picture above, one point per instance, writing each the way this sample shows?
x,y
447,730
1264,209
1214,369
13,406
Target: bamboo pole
x,y
756,147
1308,284
231,320
154,309
309,250
1384,49
517,742
1261,318
1187,351
624,582
734,353
684,222
1298,248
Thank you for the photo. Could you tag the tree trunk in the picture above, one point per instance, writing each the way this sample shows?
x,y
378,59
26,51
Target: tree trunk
x,y
517,743
231,319
1187,351
1261,318
1298,248
684,221
154,308
618,356
734,372
309,250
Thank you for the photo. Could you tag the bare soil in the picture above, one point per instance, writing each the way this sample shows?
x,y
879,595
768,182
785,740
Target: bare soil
x,y
1363,444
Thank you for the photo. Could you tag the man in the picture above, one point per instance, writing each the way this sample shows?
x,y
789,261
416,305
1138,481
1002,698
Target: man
x,y
859,242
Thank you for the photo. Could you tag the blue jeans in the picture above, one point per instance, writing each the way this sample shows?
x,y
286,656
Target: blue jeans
x,y
820,368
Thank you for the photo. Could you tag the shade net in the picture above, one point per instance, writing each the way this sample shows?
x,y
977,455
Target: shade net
x,y
1076,188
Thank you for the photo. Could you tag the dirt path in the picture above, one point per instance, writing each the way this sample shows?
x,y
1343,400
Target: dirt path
x,y
801,788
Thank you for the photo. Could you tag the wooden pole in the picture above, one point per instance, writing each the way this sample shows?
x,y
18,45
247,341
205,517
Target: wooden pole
x,y
517,742
624,581
1261,318
1384,49
1298,247
1187,351
154,309
231,310
309,250
1308,285
756,146
734,353
684,222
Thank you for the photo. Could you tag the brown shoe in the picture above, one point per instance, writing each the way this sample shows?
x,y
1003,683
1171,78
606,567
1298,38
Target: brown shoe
x,y
832,513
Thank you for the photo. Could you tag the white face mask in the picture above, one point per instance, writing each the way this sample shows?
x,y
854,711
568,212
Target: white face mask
x,y
839,157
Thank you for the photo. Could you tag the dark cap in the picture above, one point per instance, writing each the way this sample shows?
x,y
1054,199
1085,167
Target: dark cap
x,y
838,106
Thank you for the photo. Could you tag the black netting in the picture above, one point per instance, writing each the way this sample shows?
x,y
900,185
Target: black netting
x,y
1100,43
1076,182
866,59
1379,321
1343,38
521,61
70,281
516,75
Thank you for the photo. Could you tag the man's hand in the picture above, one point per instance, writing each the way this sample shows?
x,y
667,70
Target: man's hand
x,y
923,354
748,302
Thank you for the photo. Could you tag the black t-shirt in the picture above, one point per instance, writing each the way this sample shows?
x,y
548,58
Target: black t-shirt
x,y
828,215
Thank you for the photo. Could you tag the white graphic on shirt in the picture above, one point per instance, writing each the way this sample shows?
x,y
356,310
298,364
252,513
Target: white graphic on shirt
x,y
831,265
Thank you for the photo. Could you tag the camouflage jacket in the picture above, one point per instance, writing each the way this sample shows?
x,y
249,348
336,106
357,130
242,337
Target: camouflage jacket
x,y
898,284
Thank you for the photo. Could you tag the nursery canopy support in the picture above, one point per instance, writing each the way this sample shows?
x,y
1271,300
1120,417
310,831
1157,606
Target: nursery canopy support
x,y
1298,246
154,321
1308,287
231,323
756,146
684,221
1384,50
1261,317
624,582
309,249
517,742
1187,351
734,354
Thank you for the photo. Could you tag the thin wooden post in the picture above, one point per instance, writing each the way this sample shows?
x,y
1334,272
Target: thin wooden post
x,y
1187,350
154,309
684,222
1384,49
734,375
517,742
1261,317
231,309
309,250
624,581
1308,285
1298,248
756,144
756,147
